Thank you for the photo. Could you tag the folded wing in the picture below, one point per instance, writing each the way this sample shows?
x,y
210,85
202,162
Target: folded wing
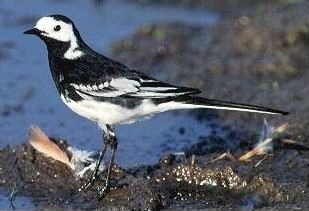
x,y
139,87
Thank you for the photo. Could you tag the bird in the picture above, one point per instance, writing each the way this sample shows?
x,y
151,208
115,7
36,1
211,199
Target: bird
x,y
110,93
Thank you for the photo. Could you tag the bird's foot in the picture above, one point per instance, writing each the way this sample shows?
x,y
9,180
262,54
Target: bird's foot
x,y
103,190
87,184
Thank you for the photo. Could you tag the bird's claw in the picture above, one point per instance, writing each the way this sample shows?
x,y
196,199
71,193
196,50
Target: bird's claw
x,y
103,190
87,185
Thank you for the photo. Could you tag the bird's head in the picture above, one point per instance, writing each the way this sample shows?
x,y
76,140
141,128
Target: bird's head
x,y
60,35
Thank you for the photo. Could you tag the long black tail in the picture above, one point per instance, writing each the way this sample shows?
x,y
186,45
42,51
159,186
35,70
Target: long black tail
x,y
217,104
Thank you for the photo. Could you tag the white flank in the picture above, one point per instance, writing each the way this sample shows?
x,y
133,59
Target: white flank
x,y
39,140
108,113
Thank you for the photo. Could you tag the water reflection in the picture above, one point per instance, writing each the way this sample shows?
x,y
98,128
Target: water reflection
x,y
28,94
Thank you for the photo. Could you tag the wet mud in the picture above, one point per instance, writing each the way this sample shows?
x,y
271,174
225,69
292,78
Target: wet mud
x,y
266,48
190,181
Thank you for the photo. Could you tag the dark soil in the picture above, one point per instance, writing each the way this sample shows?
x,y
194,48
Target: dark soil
x,y
257,54
193,183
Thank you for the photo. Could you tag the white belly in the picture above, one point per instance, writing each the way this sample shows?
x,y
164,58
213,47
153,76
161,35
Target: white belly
x,y
107,113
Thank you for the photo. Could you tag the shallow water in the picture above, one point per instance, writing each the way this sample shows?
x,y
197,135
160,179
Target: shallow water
x,y
28,95
19,202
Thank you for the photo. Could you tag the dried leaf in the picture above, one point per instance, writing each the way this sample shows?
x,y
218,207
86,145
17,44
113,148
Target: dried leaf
x,y
264,146
40,141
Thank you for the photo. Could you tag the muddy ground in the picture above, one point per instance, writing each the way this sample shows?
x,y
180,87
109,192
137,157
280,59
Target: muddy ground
x,y
192,183
266,48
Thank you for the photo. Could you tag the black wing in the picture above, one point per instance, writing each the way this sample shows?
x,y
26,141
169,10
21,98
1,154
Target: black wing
x,y
135,85
98,76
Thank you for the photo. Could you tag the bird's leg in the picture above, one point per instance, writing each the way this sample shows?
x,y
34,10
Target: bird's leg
x,y
113,145
98,163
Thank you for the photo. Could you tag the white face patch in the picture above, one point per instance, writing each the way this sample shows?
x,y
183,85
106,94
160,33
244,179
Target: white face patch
x,y
48,26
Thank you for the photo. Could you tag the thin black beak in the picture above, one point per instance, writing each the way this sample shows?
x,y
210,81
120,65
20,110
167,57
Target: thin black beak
x,y
33,31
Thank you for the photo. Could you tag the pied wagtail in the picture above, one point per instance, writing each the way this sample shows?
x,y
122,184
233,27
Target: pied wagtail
x,y
108,92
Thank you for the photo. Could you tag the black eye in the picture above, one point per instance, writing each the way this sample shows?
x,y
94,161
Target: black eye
x,y
57,28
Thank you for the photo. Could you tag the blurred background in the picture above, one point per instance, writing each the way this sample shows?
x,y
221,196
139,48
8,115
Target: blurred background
x,y
235,50
245,51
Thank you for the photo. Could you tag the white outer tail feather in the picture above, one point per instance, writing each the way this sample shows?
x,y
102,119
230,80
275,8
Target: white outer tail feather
x,y
179,105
